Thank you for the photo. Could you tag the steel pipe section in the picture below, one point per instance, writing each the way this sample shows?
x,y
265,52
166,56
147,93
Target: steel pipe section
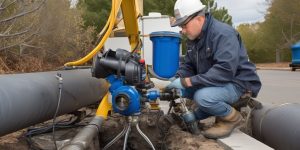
x,y
278,126
85,137
31,98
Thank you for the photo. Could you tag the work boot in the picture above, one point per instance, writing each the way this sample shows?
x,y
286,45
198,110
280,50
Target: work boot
x,y
224,125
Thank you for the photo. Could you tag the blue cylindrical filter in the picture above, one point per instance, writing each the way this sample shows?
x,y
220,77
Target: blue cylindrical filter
x,y
166,47
296,53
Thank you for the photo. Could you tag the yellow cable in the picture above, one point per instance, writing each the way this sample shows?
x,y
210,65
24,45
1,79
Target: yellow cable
x,y
115,6
106,26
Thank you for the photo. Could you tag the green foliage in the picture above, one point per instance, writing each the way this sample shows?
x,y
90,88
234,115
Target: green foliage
x,y
165,7
219,13
278,32
96,12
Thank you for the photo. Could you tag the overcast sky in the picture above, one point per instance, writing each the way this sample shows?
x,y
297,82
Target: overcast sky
x,y
244,11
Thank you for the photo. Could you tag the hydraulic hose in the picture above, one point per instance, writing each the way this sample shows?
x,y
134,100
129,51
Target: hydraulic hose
x,y
105,27
115,7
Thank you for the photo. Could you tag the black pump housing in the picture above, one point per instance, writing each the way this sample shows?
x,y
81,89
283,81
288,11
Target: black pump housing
x,y
121,63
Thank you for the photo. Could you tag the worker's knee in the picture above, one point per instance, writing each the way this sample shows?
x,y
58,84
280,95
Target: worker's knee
x,y
211,96
214,100
205,98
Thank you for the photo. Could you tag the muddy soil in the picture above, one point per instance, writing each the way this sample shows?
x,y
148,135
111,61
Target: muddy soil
x,y
13,141
174,139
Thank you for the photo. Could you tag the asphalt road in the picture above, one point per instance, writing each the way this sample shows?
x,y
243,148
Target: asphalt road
x,y
279,86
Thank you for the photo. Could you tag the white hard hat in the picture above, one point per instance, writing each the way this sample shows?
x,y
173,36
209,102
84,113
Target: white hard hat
x,y
183,9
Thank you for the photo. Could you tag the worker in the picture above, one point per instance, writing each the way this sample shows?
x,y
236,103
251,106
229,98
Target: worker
x,y
216,70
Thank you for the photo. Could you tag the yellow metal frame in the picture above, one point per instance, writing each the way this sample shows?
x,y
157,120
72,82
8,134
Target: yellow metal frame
x,y
130,21
130,14
104,107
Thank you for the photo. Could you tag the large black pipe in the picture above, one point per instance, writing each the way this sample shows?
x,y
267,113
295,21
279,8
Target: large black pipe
x,y
278,126
31,98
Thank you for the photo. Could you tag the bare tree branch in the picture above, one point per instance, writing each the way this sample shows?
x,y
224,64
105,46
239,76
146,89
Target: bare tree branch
x,y
9,28
3,64
19,43
1,4
2,8
23,14
15,34
292,23
23,46
32,46
293,35
284,35
6,35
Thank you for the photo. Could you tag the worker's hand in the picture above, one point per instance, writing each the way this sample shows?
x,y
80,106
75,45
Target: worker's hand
x,y
175,84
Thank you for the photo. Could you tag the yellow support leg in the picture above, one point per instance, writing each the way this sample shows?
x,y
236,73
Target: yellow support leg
x,y
104,107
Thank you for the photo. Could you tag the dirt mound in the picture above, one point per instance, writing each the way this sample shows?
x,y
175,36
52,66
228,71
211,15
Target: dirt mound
x,y
174,139
178,139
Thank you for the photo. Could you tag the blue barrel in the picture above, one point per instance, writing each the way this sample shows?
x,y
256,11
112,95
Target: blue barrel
x,y
165,53
296,53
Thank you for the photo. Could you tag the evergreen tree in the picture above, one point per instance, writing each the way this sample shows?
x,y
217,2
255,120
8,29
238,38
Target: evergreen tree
x,y
165,7
219,13
96,12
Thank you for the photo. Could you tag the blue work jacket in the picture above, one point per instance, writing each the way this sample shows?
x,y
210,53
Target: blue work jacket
x,y
218,57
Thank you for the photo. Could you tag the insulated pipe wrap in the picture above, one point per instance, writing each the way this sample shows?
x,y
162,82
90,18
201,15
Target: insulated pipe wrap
x,y
278,126
31,98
